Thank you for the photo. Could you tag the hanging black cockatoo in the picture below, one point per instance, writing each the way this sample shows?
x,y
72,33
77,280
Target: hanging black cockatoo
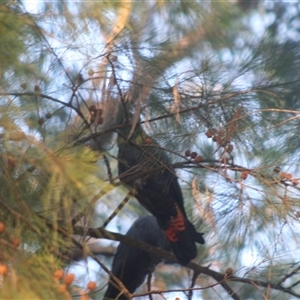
x,y
145,167
131,265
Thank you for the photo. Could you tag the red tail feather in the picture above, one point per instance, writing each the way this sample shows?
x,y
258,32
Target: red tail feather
x,y
179,221
176,224
171,234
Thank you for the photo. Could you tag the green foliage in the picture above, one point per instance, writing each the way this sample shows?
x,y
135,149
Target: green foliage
x,y
12,36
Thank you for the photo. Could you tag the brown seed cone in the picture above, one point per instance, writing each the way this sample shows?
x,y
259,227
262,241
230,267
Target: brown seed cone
x,y
228,272
194,155
198,159
244,175
187,153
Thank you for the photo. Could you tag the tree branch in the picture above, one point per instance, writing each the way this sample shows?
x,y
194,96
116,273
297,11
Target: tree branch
x,y
168,256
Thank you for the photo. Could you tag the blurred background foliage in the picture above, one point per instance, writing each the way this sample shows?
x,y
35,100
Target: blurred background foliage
x,y
186,67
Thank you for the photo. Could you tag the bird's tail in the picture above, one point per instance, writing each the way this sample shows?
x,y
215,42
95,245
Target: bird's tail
x,y
183,238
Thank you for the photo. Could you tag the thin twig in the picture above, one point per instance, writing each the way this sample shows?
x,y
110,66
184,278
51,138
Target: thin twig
x,y
123,289
117,210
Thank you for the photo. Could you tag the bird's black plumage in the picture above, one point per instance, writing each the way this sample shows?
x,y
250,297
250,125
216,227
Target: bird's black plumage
x,y
131,265
147,169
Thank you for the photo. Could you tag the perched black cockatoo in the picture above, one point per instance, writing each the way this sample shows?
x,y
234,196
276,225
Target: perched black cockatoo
x,y
145,167
131,265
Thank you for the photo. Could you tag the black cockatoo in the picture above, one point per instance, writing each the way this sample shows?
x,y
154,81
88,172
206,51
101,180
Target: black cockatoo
x,y
131,265
145,166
